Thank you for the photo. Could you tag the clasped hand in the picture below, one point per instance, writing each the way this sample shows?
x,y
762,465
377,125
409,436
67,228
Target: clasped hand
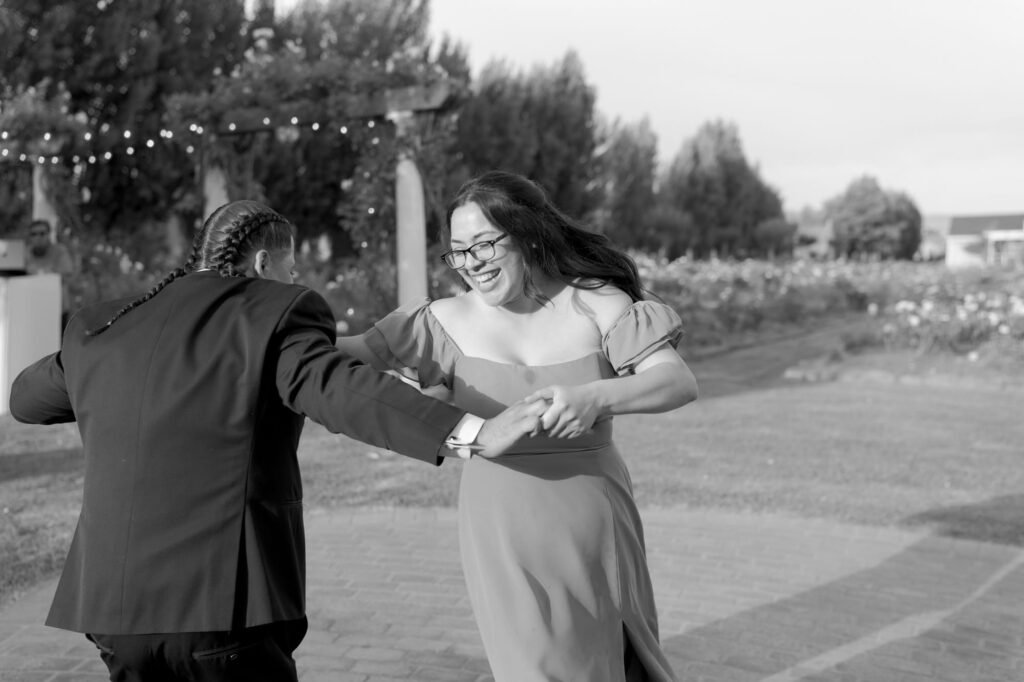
x,y
557,411
571,410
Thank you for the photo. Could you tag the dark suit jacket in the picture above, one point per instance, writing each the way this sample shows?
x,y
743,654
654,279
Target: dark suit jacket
x,y
190,409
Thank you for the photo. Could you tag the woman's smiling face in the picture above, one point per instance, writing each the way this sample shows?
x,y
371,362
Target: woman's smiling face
x,y
499,280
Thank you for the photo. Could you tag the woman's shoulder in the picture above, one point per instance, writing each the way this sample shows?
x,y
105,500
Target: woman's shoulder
x,y
604,304
451,309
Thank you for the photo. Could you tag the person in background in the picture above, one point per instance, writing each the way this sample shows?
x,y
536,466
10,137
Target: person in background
x,y
188,561
43,256
550,536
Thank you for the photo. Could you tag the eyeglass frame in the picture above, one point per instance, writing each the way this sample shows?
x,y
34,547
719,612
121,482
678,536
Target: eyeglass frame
x,y
469,250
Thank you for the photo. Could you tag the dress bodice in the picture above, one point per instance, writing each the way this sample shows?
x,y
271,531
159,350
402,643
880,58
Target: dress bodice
x,y
413,342
485,388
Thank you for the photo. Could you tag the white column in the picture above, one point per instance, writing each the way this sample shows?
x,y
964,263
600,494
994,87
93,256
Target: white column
x,y
411,232
42,209
215,189
29,325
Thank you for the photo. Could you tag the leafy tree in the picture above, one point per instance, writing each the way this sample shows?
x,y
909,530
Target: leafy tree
x,y
540,124
868,220
627,163
711,181
775,237
111,65
669,231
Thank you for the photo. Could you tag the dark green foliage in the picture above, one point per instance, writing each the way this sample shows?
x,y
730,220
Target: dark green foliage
x,y
711,181
109,66
870,221
540,125
627,164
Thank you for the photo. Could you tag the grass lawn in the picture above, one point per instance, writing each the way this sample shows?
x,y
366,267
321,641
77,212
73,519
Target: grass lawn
x,y
883,454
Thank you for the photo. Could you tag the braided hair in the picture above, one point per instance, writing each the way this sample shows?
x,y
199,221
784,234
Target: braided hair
x,y
550,241
225,242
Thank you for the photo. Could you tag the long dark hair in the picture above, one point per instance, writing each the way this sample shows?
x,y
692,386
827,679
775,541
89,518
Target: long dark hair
x,y
225,242
551,242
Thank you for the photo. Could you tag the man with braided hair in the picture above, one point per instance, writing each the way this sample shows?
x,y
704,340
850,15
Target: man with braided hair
x,y
188,562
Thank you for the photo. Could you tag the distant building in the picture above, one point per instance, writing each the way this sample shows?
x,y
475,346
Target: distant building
x,y
934,231
985,240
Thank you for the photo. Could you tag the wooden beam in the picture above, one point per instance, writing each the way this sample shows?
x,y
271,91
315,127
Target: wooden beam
x,y
308,112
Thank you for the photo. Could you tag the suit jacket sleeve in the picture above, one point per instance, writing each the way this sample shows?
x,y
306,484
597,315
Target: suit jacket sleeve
x,y
318,380
39,394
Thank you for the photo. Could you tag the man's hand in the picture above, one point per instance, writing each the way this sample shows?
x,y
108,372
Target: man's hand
x,y
571,410
501,432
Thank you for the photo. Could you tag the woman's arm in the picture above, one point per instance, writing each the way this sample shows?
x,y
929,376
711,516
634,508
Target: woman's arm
x,y
357,347
662,382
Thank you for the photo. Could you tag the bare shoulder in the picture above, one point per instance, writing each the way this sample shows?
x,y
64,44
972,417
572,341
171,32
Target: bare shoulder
x,y
604,305
450,310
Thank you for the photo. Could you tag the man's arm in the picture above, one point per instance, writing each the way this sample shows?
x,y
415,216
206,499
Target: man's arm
x,y
330,387
39,394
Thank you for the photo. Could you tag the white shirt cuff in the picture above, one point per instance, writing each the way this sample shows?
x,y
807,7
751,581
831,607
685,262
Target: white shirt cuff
x,y
463,436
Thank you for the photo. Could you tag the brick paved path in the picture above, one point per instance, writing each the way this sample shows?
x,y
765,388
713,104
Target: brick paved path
x,y
742,598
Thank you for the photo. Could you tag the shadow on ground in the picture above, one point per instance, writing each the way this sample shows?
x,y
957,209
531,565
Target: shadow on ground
x,y
926,614
999,520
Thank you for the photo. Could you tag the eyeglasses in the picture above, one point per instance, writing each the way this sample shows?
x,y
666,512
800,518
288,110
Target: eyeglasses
x,y
482,251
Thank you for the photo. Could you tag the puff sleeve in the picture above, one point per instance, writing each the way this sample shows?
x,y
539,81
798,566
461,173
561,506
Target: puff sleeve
x,y
643,328
412,342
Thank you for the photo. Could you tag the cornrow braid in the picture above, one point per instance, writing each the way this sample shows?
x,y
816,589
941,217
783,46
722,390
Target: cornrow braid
x,y
193,258
224,257
175,274
218,246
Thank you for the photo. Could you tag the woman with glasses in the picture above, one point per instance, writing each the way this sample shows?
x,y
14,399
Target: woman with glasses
x,y
550,537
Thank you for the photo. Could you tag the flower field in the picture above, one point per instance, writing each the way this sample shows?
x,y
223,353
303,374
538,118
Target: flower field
x,y
924,306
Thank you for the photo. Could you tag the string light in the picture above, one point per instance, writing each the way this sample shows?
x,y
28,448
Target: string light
x,y
105,127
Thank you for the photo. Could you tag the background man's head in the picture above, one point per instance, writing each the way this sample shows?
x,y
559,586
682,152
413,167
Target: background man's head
x,y
39,237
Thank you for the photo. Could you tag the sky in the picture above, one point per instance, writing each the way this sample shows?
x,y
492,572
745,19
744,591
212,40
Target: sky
x,y
926,96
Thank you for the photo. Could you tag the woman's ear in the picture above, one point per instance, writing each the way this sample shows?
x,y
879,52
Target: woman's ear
x,y
259,262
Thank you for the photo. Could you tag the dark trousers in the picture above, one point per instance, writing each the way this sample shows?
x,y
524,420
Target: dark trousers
x,y
259,654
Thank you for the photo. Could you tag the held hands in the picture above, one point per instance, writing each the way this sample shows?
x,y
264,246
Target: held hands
x,y
500,433
557,411
571,410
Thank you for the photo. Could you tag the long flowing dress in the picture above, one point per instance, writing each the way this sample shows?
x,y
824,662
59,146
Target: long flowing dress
x,y
551,540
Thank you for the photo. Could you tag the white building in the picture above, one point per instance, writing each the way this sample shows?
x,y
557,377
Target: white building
x,y
985,240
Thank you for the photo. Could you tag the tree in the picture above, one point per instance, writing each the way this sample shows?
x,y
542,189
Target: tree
x,y
868,220
541,125
711,181
627,165
111,66
775,237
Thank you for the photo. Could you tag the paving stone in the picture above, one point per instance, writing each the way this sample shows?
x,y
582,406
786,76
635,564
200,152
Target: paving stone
x,y
742,598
